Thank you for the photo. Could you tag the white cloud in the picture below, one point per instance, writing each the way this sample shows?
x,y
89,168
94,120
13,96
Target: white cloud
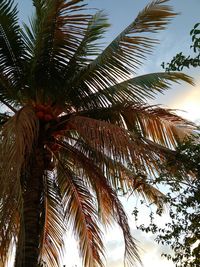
x,y
189,101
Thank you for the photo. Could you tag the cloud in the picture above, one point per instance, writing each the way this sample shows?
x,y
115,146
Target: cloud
x,y
189,102
150,251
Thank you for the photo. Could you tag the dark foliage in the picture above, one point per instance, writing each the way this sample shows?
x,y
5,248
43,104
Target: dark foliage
x,y
181,61
182,233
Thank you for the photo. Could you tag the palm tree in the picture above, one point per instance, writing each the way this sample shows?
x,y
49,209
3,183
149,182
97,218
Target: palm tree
x,y
74,118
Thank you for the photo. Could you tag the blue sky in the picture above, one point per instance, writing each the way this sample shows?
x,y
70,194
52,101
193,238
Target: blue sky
x,y
174,39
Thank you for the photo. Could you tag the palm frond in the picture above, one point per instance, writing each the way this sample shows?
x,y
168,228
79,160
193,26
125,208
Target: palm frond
x,y
108,138
11,45
137,89
88,47
112,208
162,126
9,93
94,125
18,135
17,138
149,192
102,136
121,144
140,134
126,52
54,36
108,202
155,123
54,225
9,223
4,117
82,215
116,173
139,184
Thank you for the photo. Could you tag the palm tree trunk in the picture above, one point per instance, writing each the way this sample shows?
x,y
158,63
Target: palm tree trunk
x,y
27,253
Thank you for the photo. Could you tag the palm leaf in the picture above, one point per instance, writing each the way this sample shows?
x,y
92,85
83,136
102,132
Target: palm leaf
x,y
4,117
54,36
139,183
11,46
12,55
117,174
18,135
127,146
9,93
126,52
80,210
108,138
155,123
107,200
17,138
102,136
160,125
88,47
9,223
136,89
48,67
54,225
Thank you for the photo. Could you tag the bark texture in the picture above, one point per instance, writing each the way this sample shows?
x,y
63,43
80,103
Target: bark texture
x,y
27,253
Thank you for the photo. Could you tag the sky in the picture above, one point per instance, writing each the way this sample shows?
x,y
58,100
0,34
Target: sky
x,y
183,97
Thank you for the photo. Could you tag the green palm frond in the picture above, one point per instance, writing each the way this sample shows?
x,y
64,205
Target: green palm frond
x,y
89,46
9,93
11,45
12,55
55,34
126,52
137,89
81,213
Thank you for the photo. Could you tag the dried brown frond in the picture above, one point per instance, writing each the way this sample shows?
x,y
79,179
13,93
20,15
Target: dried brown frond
x,y
163,126
117,142
17,138
52,243
108,202
103,136
155,123
82,215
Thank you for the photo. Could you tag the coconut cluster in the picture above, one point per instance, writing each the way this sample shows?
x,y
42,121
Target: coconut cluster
x,y
44,113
